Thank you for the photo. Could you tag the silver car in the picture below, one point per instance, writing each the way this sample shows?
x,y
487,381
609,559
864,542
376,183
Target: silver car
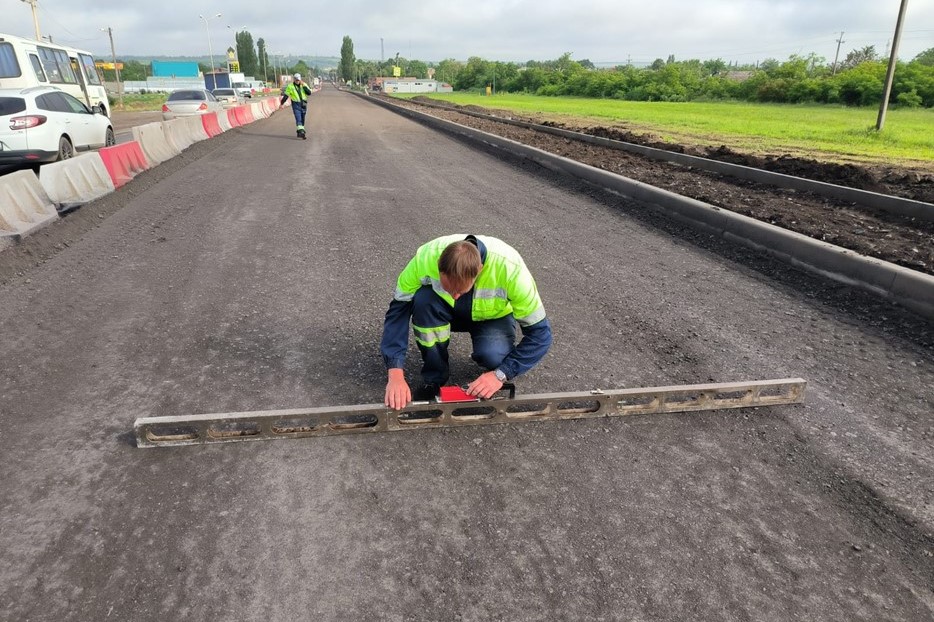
x,y
43,124
227,97
190,102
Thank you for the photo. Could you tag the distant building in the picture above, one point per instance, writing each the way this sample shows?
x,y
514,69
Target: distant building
x,y
739,76
409,85
164,69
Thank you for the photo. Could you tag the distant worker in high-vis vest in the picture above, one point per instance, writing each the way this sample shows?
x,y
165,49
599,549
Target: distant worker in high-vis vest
x,y
298,93
464,283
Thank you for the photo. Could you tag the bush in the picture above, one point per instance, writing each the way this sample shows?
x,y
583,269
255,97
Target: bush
x,y
862,85
909,100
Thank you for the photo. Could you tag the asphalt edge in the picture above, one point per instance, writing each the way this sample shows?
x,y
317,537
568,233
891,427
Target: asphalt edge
x,y
909,288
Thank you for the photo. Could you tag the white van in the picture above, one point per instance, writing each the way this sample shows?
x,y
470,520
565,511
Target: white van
x,y
26,62
243,89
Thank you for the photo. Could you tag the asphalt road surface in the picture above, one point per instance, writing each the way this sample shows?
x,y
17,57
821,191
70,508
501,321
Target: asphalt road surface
x,y
253,272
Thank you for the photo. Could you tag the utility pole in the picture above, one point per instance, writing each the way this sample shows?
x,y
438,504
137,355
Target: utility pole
x,y
890,74
837,55
113,54
35,17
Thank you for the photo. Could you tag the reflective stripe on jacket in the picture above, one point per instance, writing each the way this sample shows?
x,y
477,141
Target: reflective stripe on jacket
x,y
503,286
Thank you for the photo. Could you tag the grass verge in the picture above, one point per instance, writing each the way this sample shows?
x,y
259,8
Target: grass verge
x,y
825,132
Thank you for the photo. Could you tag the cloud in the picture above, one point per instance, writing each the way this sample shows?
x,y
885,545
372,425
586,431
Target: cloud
x,y
508,30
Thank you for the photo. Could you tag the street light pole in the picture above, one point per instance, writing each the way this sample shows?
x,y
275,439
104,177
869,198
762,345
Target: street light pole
x,y
113,55
210,48
35,17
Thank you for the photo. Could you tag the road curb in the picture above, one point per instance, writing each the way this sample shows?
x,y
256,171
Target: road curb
x,y
908,208
910,288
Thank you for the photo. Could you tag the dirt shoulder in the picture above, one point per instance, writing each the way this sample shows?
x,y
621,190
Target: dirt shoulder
x,y
910,179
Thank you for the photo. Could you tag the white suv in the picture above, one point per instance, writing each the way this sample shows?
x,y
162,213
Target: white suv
x,y
44,124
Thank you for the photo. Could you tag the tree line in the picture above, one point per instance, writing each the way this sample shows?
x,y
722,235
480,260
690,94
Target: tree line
x,y
856,81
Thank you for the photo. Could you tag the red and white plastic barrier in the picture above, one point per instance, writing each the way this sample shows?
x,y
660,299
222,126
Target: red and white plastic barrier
x,y
28,202
124,162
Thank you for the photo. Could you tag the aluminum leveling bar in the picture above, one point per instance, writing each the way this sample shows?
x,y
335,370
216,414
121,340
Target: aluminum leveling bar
x,y
363,418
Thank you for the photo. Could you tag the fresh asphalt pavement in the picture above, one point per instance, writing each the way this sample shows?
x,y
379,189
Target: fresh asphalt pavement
x,y
253,272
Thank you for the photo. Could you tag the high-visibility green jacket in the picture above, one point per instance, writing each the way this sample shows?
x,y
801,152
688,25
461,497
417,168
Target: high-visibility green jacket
x,y
503,286
296,93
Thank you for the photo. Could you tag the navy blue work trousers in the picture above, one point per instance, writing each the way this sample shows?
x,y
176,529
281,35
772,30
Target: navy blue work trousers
x,y
299,111
492,340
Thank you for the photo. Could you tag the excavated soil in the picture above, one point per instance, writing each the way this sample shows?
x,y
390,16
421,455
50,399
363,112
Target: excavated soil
x,y
904,241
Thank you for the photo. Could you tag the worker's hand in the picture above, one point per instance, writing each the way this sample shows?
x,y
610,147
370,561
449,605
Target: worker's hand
x,y
398,393
485,386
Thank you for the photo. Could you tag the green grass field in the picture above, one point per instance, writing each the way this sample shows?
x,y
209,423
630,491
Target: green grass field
x,y
139,102
825,132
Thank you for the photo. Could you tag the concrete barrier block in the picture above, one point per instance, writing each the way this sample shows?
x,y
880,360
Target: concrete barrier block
x,y
24,206
177,135
259,112
123,162
152,140
195,128
76,180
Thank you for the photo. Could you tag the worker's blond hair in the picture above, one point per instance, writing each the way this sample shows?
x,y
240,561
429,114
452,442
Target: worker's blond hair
x,y
460,262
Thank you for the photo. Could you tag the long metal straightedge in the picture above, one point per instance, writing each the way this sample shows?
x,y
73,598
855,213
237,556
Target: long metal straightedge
x,y
364,418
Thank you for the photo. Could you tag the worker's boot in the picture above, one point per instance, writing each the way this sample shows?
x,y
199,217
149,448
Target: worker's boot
x,y
426,393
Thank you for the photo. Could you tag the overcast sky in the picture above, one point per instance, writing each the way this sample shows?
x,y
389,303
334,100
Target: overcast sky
x,y
603,31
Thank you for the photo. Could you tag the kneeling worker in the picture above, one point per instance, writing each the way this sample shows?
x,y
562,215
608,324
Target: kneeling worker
x,y
474,284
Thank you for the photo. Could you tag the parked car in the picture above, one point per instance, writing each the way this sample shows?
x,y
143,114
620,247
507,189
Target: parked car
x,y
44,124
189,102
243,89
227,97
